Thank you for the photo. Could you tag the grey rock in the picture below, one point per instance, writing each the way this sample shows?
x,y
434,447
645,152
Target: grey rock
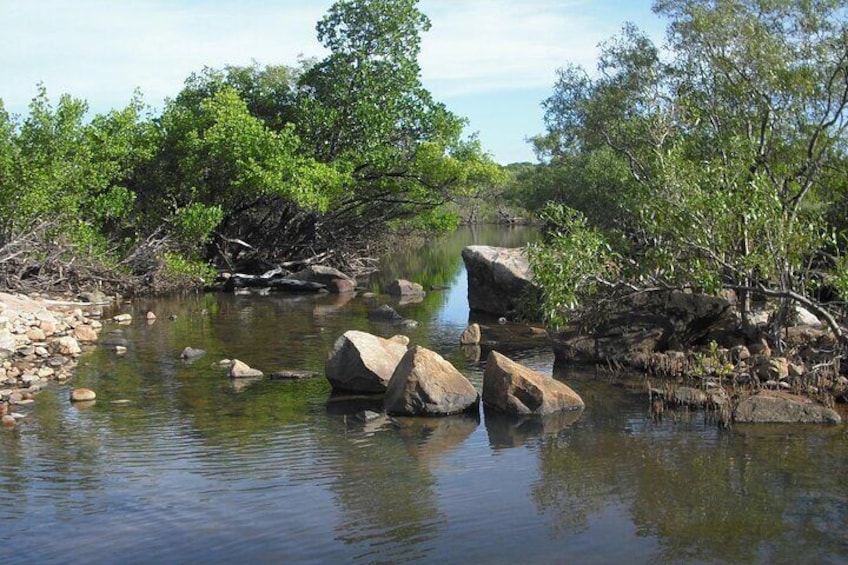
x,y
784,408
498,278
191,353
362,362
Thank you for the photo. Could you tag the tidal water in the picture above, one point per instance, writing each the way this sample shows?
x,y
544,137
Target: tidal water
x,y
176,463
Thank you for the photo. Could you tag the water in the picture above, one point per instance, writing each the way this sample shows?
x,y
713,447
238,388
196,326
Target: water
x,y
196,469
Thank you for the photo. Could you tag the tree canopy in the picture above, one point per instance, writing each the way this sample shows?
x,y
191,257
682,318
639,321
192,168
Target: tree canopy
x,y
277,162
716,162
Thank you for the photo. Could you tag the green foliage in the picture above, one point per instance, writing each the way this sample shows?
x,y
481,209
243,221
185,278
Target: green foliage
x,y
294,160
720,165
571,264
178,272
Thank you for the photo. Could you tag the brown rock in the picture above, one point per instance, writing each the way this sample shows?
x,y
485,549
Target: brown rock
x,y
36,334
341,286
84,333
403,287
515,389
425,384
66,345
8,421
471,335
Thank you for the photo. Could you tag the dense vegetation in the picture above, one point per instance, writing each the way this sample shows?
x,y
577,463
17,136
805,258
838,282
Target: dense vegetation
x,y
718,162
270,164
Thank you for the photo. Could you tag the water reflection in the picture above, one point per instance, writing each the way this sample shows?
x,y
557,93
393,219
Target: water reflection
x,y
507,430
282,471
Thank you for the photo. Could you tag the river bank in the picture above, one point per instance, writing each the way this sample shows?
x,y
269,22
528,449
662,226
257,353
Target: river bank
x,y
40,342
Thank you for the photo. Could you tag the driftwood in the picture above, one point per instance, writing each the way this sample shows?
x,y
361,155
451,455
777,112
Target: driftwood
x,y
275,280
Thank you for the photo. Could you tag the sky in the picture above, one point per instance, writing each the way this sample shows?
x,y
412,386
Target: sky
x,y
491,61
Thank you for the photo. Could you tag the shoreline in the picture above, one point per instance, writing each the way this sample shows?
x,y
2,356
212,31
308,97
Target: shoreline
x,y
41,341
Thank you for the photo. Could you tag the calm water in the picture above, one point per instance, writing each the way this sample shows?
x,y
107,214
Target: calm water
x,y
195,469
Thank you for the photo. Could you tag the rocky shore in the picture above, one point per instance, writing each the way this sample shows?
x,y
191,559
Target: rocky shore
x,y
40,342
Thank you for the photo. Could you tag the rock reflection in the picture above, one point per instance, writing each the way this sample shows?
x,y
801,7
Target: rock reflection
x,y
428,439
727,499
507,430
386,497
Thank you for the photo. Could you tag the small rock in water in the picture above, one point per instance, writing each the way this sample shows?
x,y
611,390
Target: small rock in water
x,y
191,353
293,375
241,370
150,316
82,395
122,318
9,421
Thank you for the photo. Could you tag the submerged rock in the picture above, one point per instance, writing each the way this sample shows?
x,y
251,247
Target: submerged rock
x,y
425,384
362,362
783,408
515,389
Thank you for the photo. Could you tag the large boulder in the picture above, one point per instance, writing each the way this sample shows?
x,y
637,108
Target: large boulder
x,y
650,322
498,278
425,384
361,362
783,408
515,389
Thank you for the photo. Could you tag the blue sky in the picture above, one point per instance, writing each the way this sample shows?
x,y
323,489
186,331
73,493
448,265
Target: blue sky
x,y
492,61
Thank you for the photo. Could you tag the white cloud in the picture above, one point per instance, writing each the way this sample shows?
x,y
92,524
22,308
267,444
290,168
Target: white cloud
x,y
101,51
484,45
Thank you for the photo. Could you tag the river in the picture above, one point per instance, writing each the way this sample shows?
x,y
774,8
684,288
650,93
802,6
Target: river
x,y
177,463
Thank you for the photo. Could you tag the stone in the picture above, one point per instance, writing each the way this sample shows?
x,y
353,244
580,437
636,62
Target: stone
x,y
8,421
385,313
191,353
498,278
471,336
150,317
322,274
122,318
514,389
649,323
293,375
783,408
241,370
36,334
403,287
82,395
84,334
341,286
425,384
772,367
362,362
66,345
739,353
